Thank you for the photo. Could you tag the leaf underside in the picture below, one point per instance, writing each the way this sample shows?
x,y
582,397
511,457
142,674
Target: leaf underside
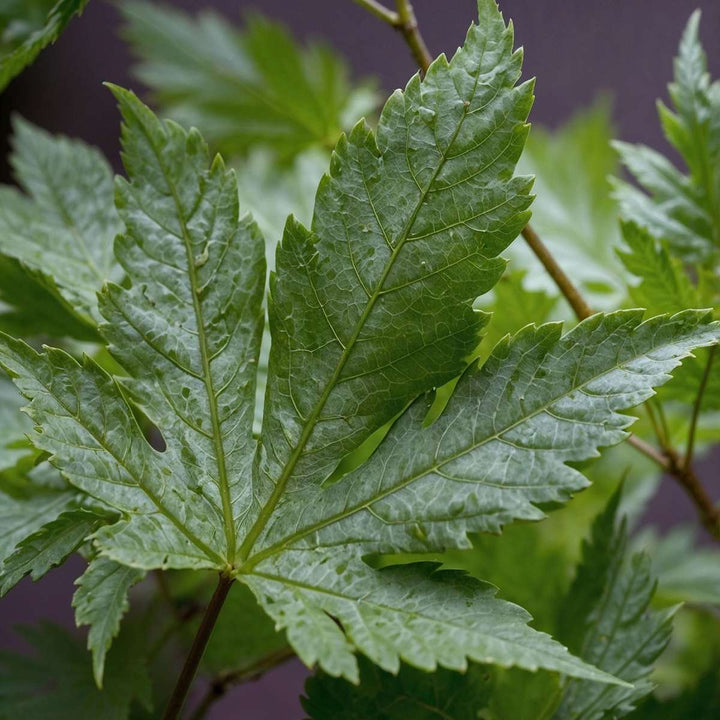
x,y
371,308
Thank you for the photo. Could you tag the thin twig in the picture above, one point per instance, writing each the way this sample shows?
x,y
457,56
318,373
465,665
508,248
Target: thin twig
x,y
667,459
709,512
380,11
177,699
405,22
223,682
649,451
408,26
581,309
696,410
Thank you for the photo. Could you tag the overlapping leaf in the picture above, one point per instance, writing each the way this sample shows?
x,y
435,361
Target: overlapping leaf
x,y
28,506
243,88
28,26
501,446
49,546
189,330
681,209
374,304
100,602
57,238
606,620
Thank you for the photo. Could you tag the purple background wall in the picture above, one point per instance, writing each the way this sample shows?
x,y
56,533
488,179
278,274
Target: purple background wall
x,y
576,48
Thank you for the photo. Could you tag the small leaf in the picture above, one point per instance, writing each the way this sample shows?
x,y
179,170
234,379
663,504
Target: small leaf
x,y
243,88
49,546
607,621
24,514
61,232
664,285
31,32
100,602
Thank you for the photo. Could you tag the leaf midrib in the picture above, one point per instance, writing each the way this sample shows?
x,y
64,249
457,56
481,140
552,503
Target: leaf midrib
x,y
285,542
217,439
309,425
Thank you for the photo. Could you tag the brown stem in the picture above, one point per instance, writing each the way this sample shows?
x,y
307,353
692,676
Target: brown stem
x,y
649,451
408,26
581,309
405,22
708,511
177,699
379,11
222,683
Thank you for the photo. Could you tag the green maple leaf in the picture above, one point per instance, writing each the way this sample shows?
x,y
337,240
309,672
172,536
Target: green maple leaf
x,y
28,26
371,307
243,88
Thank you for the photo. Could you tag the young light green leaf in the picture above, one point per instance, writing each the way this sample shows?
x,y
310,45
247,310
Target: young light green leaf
x,y
56,683
374,304
682,209
243,88
49,546
606,621
664,286
411,694
100,602
28,27
23,514
61,232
